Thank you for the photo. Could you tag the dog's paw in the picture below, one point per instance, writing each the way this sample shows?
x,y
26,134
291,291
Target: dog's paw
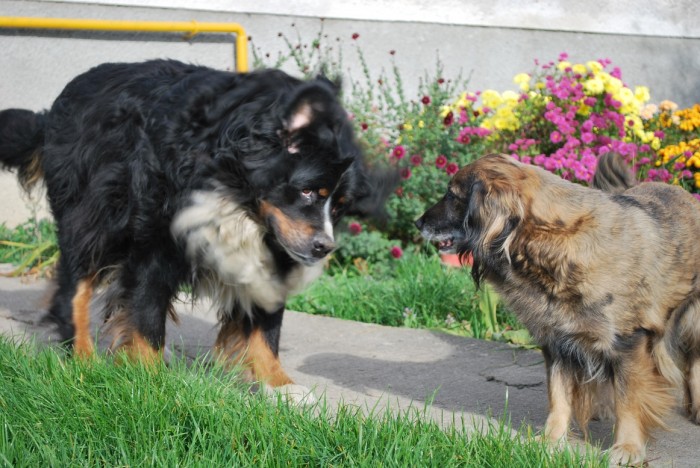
x,y
694,415
291,393
626,455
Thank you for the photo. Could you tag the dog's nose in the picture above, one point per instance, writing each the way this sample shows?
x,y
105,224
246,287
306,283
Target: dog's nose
x,y
419,223
322,246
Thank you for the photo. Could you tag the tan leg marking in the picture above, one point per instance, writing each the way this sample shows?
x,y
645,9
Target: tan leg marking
x,y
642,398
560,389
693,389
253,353
135,348
83,346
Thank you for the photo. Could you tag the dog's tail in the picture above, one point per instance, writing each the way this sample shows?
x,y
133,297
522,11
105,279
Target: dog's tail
x,y
21,140
613,175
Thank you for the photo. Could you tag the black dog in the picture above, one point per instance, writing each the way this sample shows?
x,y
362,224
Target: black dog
x,y
162,174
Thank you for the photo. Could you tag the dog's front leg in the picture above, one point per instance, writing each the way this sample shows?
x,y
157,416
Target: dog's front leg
x,y
255,345
560,390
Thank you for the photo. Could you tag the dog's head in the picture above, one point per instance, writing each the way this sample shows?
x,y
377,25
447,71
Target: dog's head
x,y
480,211
294,158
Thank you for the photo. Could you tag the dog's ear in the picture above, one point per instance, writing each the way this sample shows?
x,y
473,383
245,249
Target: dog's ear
x,y
494,211
371,188
312,103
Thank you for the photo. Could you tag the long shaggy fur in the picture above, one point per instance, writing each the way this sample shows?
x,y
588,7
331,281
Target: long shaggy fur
x,y
607,282
162,174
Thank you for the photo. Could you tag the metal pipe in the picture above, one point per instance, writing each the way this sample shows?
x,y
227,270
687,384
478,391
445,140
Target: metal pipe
x,y
192,28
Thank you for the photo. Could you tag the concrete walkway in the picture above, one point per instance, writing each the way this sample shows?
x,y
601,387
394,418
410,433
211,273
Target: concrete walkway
x,y
376,366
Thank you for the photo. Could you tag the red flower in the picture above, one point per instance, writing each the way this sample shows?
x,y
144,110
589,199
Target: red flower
x,y
392,52
449,118
441,80
425,100
399,152
416,160
364,126
452,169
355,36
405,173
396,252
355,228
440,161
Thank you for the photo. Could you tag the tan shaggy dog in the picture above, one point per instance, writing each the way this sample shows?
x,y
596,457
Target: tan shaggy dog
x,y
607,283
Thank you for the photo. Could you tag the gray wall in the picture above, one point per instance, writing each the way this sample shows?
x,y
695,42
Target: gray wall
x,y
654,47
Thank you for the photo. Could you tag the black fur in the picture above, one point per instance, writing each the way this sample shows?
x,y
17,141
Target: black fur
x,y
126,147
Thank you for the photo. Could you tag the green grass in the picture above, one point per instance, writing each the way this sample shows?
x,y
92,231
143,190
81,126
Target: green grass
x,y
419,292
58,412
31,245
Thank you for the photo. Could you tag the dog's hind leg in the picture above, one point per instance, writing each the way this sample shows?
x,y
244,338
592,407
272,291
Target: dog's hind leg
x,y
83,346
642,398
690,333
149,284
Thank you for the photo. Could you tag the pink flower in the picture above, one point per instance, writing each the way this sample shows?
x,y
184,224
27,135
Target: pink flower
x,y
405,173
396,252
399,152
555,137
416,160
440,161
355,228
452,169
587,137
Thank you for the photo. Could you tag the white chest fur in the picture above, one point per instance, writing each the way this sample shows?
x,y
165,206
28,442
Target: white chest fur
x,y
234,266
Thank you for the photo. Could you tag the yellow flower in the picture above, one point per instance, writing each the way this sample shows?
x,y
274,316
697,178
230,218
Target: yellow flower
x,y
510,98
579,69
655,144
539,85
593,66
612,84
421,124
641,93
491,98
562,66
408,127
593,86
523,81
444,110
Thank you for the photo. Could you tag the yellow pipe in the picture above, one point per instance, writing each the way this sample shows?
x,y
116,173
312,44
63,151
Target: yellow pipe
x,y
192,28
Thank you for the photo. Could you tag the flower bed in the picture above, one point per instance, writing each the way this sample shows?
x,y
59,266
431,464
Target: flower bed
x,y
562,118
